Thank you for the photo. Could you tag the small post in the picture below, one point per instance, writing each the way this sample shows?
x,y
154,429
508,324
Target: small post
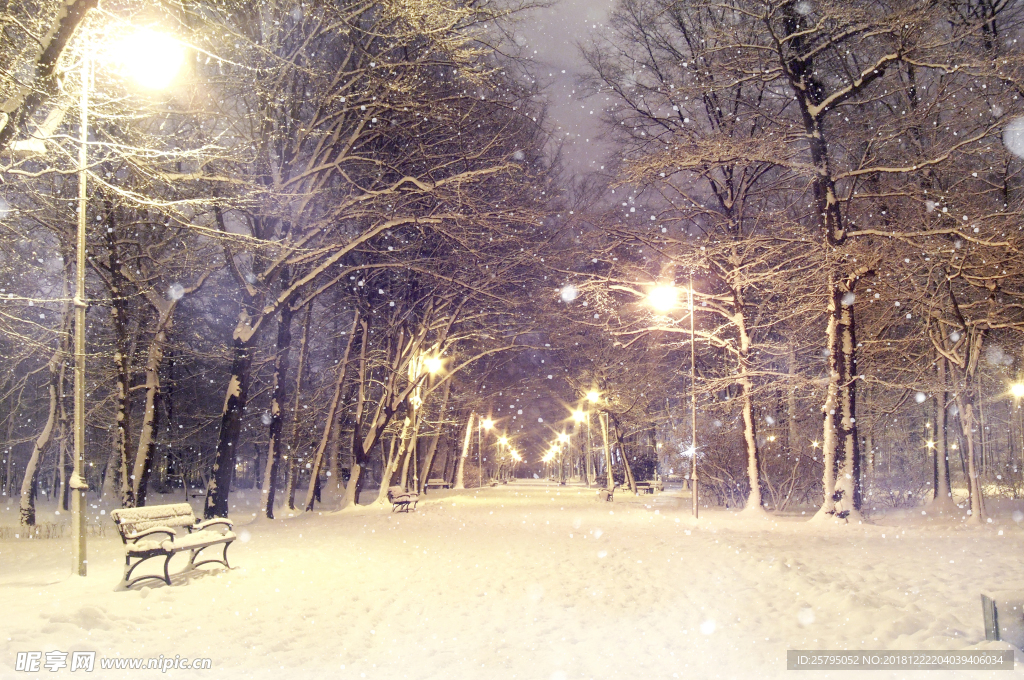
x,y
991,616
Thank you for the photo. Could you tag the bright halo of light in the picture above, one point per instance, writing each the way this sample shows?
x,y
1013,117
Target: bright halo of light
x,y
593,396
579,416
1017,390
433,365
487,423
663,298
150,58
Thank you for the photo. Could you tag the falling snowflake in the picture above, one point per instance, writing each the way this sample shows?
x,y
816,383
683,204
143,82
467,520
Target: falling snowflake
x,y
176,291
920,397
1013,137
569,293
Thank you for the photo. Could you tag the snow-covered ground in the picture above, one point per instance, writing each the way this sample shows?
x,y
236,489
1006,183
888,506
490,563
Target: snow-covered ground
x,y
526,581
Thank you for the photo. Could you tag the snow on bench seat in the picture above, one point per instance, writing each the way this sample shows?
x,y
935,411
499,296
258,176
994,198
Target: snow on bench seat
x,y
149,532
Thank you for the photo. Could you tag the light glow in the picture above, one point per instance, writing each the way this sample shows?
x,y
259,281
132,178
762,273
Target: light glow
x,y
487,423
150,58
1017,390
433,365
579,416
663,298
593,396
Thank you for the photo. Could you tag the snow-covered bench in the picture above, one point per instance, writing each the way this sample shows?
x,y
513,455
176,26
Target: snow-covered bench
x,y
141,530
401,500
605,494
437,483
650,486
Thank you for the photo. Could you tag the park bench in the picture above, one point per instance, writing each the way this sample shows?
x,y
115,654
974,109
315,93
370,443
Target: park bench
x,y
401,500
605,494
141,530
650,486
437,483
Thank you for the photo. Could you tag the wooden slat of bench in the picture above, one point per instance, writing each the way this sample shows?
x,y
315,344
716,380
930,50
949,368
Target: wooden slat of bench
x,y
133,520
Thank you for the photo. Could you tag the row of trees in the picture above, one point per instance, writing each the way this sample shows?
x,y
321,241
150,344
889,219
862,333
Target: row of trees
x,y
842,183
299,258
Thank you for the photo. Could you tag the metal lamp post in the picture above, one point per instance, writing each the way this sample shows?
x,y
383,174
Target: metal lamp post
x,y
152,60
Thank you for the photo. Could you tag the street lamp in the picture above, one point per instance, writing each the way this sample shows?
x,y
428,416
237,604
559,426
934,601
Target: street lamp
x,y
1017,390
664,298
139,57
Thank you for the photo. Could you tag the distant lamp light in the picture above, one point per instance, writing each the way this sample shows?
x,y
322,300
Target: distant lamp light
x,y
503,440
1017,390
563,437
593,396
931,444
433,365
487,423
663,298
579,416
815,444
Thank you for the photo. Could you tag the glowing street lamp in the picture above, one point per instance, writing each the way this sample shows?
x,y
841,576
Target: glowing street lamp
x,y
1017,390
152,60
579,415
593,396
663,298
433,365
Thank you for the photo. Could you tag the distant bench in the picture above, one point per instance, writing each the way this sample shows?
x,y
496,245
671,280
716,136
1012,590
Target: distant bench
x,y
401,500
437,484
650,486
137,526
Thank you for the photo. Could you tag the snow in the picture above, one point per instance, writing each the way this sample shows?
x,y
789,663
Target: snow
x,y
528,580
1013,137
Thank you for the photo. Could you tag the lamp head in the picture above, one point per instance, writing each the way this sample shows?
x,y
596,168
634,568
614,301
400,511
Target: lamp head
x,y
433,365
1017,390
593,396
150,58
663,298
487,423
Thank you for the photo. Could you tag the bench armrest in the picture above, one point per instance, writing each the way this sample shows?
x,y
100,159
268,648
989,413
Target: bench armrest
x,y
199,526
152,530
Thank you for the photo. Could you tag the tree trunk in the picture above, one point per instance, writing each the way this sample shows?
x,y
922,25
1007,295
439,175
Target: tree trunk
x,y
467,442
294,458
277,399
358,453
607,451
943,496
428,463
828,440
30,481
151,415
243,348
330,436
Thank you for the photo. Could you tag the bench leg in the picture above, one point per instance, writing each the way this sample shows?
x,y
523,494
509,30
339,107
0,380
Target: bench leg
x,y
128,582
192,564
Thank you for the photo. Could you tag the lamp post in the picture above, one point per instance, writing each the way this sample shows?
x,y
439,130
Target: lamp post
x,y
1017,392
580,416
152,60
665,298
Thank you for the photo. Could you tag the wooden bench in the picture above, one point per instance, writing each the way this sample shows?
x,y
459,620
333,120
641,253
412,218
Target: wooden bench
x,y
437,483
650,486
605,495
140,530
402,500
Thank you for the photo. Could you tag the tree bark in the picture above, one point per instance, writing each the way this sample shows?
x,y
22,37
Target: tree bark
x,y
277,399
467,442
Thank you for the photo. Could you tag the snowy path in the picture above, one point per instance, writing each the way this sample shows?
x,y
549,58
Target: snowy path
x,y
525,581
